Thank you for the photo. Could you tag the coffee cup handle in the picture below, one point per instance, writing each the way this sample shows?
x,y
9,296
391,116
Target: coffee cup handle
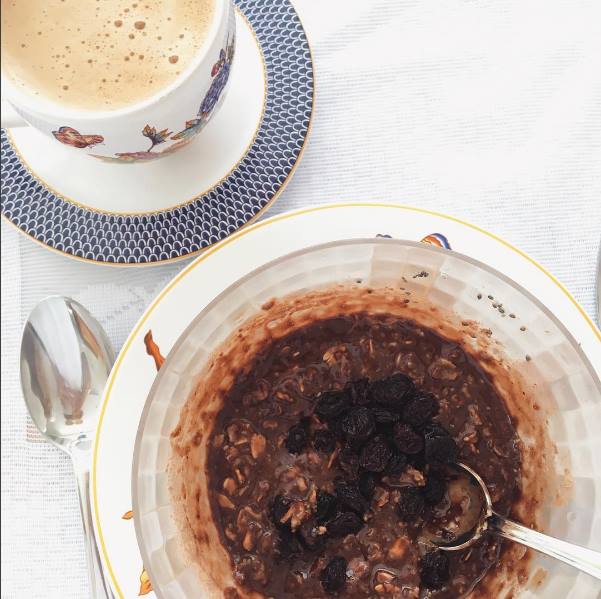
x,y
10,117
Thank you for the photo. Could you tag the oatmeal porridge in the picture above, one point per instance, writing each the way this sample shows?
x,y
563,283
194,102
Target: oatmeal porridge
x,y
327,462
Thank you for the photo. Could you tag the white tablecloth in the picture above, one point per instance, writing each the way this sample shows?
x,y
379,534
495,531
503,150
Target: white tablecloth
x,y
487,110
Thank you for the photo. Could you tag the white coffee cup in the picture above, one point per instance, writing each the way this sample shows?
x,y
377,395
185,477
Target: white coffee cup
x,y
167,120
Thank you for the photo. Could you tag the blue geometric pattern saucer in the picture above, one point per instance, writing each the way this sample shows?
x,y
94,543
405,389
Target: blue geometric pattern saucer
x,y
187,229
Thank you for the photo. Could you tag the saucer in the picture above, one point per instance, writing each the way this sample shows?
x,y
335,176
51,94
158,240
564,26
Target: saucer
x,y
177,206
200,282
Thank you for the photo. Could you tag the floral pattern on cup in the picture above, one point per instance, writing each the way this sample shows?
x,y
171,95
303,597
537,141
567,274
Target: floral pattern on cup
x,y
220,74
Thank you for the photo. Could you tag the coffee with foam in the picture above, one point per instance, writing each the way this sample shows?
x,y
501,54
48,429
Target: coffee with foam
x,y
100,54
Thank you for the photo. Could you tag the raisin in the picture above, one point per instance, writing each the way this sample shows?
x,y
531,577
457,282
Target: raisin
x,y
325,441
326,505
332,404
435,487
357,391
434,429
279,507
406,439
411,503
435,569
349,496
441,449
417,460
420,409
335,427
439,445
297,439
345,523
375,455
349,462
392,392
287,545
396,464
367,484
358,425
333,576
310,537
384,416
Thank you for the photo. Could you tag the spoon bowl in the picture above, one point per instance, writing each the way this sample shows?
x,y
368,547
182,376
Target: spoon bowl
x,y
467,538
66,359
584,559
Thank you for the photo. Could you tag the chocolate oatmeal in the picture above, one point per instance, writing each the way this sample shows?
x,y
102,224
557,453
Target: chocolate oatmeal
x,y
327,462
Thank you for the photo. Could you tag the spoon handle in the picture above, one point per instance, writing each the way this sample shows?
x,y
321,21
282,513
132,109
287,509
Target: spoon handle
x,y
99,585
584,559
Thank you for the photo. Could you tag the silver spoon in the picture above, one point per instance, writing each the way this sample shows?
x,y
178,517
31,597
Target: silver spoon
x,y
66,358
584,559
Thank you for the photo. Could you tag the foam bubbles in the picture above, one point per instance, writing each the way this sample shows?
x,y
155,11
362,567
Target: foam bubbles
x,y
113,56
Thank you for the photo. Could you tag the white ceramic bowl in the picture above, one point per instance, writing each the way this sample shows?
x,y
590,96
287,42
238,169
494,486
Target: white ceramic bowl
x,y
563,384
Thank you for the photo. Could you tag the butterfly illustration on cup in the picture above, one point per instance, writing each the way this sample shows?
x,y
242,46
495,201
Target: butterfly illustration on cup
x,y
72,137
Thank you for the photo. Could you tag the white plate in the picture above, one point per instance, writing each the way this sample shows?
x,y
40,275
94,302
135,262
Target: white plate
x,y
192,289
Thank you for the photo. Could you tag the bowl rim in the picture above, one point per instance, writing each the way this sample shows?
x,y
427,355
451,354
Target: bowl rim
x,y
312,248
